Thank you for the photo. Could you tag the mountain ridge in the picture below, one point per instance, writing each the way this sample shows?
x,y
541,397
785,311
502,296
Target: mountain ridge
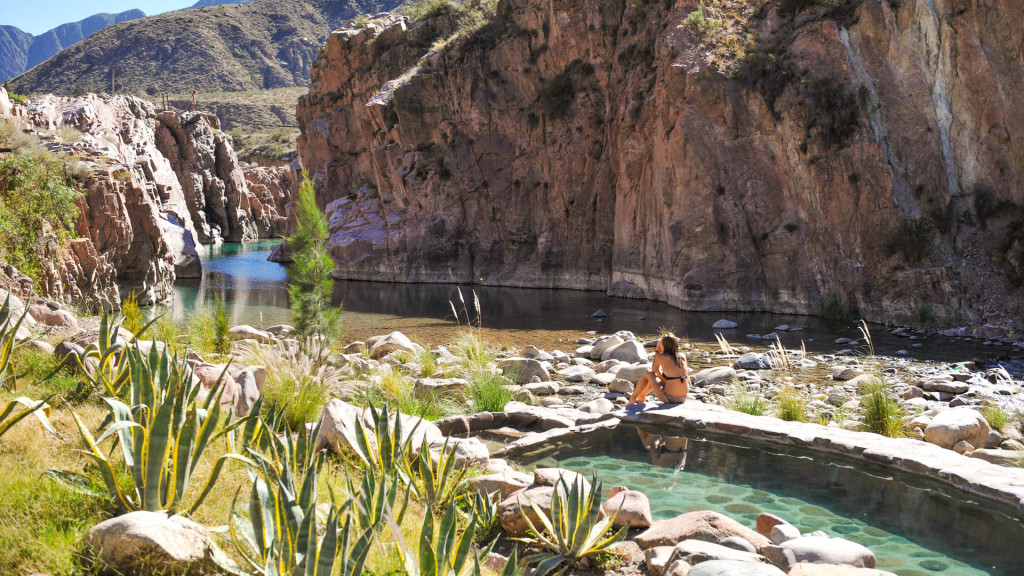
x,y
224,48
21,51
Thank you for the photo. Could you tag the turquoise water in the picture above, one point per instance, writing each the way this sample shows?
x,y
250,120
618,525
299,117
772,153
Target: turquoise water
x,y
913,527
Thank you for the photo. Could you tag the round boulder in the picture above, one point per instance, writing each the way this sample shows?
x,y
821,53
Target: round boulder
x,y
734,568
816,550
628,508
146,543
956,424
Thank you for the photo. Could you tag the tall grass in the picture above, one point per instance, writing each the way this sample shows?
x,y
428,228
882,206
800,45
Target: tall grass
x,y
295,380
747,402
472,348
132,314
427,362
199,331
995,415
490,393
865,334
882,413
390,384
221,336
724,345
791,405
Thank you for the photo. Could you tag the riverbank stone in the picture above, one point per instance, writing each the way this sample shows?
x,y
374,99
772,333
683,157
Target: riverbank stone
x,y
630,351
949,427
628,508
714,376
818,550
734,568
703,525
695,552
602,344
381,346
142,543
524,370
504,483
246,332
807,569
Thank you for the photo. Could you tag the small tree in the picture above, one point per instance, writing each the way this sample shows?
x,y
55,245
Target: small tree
x,y
309,277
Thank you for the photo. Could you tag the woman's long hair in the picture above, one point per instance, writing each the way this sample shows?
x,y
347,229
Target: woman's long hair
x,y
670,344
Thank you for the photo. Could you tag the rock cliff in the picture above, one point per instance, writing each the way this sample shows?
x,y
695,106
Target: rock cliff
x,y
862,154
155,186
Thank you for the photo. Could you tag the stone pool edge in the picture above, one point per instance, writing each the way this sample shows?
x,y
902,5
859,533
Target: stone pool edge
x,y
972,475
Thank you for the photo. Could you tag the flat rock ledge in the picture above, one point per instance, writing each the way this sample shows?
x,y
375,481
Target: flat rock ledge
x,y
972,475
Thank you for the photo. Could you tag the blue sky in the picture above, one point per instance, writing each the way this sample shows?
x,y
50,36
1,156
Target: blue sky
x,y
37,16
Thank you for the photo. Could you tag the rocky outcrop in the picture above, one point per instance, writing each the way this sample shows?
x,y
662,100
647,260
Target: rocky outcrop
x,y
590,144
155,187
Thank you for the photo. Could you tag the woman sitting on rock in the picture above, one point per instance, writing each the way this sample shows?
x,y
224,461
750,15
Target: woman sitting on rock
x,y
667,376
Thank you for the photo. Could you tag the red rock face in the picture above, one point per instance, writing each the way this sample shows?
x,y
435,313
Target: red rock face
x,y
155,186
586,144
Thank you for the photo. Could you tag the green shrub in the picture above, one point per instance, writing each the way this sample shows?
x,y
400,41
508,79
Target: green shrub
x,y
490,393
791,405
221,334
995,415
911,239
296,381
833,307
697,22
882,413
132,314
747,402
35,201
199,330
835,111
556,96
427,9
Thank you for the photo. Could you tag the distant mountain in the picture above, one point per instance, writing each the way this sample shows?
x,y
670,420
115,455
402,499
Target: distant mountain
x,y
252,46
20,50
205,3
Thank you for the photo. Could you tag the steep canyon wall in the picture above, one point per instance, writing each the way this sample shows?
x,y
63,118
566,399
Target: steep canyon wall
x,y
869,155
155,186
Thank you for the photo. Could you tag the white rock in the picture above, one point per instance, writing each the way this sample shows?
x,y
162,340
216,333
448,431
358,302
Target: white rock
x,y
152,543
629,351
956,424
724,324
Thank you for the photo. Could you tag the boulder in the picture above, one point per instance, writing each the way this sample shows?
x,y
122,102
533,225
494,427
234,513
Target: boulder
x,y
504,483
468,451
714,376
784,533
246,332
249,392
632,373
1009,458
657,559
577,374
734,568
703,525
339,415
604,379
695,552
542,388
620,386
511,510
765,523
381,346
753,361
604,343
598,406
818,550
428,387
808,569
207,374
737,543
144,543
550,477
724,324
53,317
630,351
523,370
628,508
956,424
39,346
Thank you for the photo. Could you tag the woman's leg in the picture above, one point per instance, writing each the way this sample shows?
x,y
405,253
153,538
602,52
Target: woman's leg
x,y
643,388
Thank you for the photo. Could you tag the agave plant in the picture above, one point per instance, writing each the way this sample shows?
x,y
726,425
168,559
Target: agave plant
x,y
162,436
40,410
576,532
384,450
280,535
9,326
444,552
439,485
103,364
379,500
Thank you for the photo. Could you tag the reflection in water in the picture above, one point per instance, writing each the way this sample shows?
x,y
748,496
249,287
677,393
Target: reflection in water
x,y
254,292
666,451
